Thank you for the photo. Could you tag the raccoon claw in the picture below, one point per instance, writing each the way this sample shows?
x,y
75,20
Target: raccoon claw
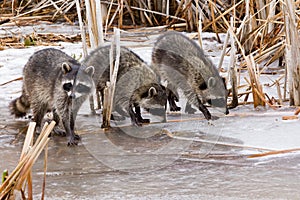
x,y
146,121
74,140
137,122
77,137
175,108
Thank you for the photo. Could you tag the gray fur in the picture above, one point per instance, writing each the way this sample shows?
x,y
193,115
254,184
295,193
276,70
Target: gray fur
x,y
183,64
51,80
134,82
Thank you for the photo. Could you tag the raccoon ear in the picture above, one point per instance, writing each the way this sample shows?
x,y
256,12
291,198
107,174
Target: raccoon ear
x,y
66,67
90,70
211,82
152,92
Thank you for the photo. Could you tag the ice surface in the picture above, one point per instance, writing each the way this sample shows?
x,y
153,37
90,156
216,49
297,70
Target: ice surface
x,y
75,173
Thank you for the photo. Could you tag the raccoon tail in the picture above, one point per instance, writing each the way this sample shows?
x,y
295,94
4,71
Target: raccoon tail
x,y
19,106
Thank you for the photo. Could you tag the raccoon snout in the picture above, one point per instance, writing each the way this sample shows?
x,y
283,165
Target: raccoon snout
x,y
220,103
72,96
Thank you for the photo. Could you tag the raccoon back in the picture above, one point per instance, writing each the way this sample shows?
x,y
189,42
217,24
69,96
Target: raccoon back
x,y
43,71
133,72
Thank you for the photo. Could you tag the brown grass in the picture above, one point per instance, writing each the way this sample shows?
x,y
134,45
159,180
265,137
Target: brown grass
x,y
258,28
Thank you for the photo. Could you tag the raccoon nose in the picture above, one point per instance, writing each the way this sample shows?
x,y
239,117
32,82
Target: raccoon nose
x,y
227,111
72,96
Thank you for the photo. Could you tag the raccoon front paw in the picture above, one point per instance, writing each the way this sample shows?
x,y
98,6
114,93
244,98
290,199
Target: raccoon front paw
x,y
136,122
74,140
175,108
145,121
77,137
117,117
59,131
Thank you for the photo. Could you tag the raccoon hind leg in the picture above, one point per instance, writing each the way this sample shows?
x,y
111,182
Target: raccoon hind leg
x,y
57,130
171,99
39,111
192,98
133,116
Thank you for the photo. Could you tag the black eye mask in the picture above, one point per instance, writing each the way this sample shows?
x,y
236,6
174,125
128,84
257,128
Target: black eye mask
x,y
82,88
67,87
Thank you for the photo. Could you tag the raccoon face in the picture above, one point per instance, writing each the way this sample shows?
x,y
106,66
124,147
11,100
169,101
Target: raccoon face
x,y
216,94
77,82
154,101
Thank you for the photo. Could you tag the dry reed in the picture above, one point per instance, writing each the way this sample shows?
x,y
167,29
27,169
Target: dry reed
x,y
258,27
22,173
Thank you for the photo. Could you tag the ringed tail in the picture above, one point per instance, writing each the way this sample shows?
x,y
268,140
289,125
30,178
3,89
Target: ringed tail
x,y
19,106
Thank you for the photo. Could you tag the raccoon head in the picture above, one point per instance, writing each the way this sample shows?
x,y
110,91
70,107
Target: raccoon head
x,y
154,100
77,80
217,93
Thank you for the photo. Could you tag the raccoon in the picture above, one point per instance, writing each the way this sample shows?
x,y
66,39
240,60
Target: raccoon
x,y
136,85
54,81
183,64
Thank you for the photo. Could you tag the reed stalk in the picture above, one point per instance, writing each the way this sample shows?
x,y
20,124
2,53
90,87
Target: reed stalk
x,y
22,173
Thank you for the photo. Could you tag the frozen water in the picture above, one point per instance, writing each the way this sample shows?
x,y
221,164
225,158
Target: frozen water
x,y
93,170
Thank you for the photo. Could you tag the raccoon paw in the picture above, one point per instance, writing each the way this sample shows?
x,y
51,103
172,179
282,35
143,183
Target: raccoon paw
x,y
117,117
146,121
74,140
175,108
77,137
59,131
137,123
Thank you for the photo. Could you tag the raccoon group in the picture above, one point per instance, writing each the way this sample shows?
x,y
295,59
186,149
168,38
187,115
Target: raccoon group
x,y
55,82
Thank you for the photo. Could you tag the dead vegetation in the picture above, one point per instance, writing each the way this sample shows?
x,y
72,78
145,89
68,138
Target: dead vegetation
x,y
19,182
260,31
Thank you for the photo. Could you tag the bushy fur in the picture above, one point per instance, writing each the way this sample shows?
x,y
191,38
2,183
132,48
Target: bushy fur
x,y
20,106
183,64
44,76
134,81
